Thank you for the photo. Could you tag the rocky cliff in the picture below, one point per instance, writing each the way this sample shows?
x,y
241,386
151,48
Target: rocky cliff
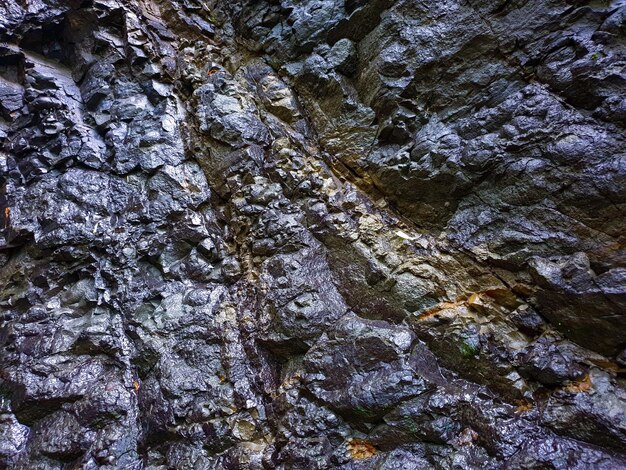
x,y
313,234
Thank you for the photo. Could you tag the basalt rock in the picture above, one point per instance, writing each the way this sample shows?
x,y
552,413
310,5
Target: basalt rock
x,y
316,234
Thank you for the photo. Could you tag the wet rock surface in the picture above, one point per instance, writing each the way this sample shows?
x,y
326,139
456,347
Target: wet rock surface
x,y
312,234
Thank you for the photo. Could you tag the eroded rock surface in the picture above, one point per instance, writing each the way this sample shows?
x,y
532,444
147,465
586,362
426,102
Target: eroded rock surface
x,y
314,234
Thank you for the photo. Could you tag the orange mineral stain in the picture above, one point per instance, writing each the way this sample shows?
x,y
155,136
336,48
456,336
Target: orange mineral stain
x,y
580,386
360,449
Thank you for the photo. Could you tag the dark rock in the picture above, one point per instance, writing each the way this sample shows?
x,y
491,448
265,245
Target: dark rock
x,y
312,234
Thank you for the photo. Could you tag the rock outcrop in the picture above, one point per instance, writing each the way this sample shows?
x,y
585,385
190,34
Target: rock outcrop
x,y
314,234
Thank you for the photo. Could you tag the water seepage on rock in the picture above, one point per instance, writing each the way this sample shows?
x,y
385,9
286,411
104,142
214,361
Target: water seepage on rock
x,y
312,234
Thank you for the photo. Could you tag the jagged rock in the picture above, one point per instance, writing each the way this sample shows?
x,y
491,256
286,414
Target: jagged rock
x,y
315,234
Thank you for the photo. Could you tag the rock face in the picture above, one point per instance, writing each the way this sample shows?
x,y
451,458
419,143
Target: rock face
x,y
313,234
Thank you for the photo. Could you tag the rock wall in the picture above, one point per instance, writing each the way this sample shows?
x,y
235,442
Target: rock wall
x,y
313,234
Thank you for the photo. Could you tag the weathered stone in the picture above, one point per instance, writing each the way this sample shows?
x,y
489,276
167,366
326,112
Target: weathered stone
x,y
312,234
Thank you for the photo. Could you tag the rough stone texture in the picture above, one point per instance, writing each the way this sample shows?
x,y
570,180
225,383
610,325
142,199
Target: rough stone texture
x,y
313,234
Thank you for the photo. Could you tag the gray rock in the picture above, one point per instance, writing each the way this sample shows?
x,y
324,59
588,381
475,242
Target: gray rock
x,y
314,234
